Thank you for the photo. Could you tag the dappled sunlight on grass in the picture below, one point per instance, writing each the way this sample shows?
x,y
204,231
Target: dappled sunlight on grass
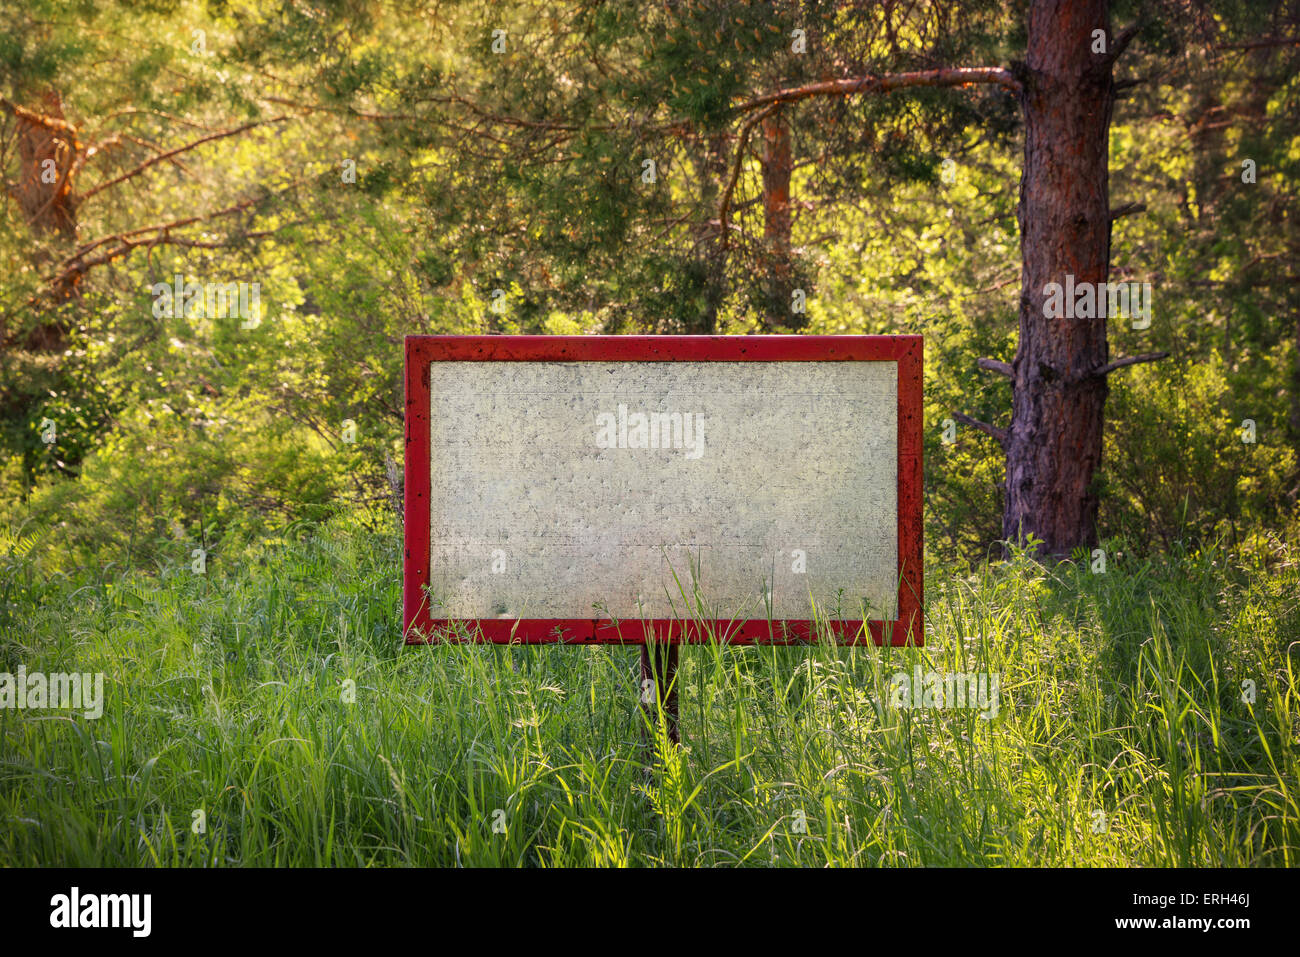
x,y
275,696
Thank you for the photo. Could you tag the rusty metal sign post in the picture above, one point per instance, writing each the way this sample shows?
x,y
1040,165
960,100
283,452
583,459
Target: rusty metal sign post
x,y
660,490
659,688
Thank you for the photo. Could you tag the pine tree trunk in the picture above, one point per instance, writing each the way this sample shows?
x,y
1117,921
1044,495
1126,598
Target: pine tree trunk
x,y
777,165
44,187
1295,386
1054,443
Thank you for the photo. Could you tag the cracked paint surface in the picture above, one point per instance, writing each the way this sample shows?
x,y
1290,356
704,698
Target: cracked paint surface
x,y
532,518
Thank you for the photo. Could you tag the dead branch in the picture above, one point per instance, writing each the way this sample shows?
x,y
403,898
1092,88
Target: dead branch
x,y
1128,209
998,435
1120,41
1110,367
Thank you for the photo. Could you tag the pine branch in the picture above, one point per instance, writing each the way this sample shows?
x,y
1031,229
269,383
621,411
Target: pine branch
x,y
61,128
120,244
1110,367
998,435
745,132
888,82
1120,41
1128,209
162,157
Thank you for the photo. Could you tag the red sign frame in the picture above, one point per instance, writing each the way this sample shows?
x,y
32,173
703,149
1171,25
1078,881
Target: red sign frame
x,y
907,351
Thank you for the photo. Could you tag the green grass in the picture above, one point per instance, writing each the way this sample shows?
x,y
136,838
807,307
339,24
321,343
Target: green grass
x,y
1121,693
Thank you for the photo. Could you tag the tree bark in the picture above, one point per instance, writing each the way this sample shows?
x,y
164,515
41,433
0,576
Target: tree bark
x,y
1295,388
47,153
1054,444
778,165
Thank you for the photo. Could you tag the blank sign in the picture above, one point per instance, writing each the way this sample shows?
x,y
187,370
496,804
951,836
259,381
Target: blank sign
x,y
614,489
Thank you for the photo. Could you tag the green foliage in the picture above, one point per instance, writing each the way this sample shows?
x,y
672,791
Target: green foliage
x,y
1180,469
162,487
522,171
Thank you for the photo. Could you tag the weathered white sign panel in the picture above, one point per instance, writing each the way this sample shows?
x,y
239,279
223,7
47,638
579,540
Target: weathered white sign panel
x,y
610,488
